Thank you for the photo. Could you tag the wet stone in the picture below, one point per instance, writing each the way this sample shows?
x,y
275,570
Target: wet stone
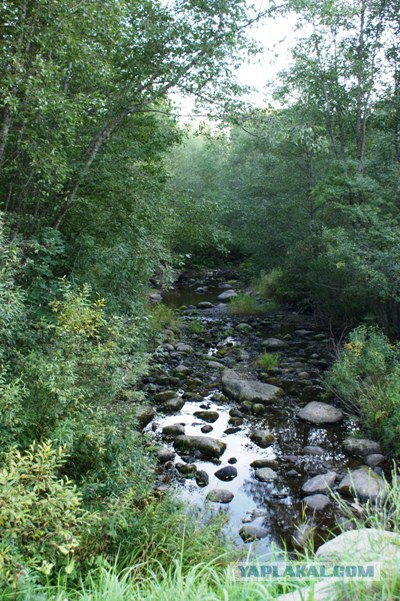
x,y
182,370
320,484
317,502
311,450
184,348
220,496
262,438
201,478
165,395
274,344
265,474
205,305
232,460
187,469
207,416
320,413
207,429
235,421
374,460
173,430
173,406
226,474
164,454
267,462
250,533
360,447
232,430
205,445
364,484
226,296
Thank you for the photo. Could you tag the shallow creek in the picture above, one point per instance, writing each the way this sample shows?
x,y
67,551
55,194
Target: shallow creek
x,y
235,342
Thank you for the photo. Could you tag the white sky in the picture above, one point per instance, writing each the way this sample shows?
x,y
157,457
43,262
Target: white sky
x,y
276,37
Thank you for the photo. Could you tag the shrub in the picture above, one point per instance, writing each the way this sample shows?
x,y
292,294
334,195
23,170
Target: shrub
x,y
41,516
268,360
367,379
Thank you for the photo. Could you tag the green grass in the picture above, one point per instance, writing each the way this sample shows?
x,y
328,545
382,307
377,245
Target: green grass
x,y
245,304
196,326
268,360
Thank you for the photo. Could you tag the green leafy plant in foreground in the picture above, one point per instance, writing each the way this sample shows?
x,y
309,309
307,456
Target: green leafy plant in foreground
x,y
42,519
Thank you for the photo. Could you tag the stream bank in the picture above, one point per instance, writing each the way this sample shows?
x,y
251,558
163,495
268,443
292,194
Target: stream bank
x,y
261,461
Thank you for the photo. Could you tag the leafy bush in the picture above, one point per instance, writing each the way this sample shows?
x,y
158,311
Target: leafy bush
x,y
367,379
268,360
41,516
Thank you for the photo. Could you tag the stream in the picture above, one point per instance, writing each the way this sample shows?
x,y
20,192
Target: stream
x,y
189,369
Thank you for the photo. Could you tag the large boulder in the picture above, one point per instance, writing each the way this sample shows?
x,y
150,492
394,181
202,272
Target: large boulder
x,y
361,447
364,484
367,544
248,390
204,444
320,484
320,413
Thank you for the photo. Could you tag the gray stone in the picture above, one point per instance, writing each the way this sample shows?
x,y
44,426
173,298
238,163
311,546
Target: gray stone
x,y
215,365
226,296
249,533
173,430
144,415
364,484
164,454
181,347
155,297
312,450
205,305
182,370
173,405
302,333
204,444
265,474
165,395
360,447
267,462
366,544
207,416
320,413
317,502
227,473
220,496
262,438
248,390
186,469
320,484
274,344
374,460
202,478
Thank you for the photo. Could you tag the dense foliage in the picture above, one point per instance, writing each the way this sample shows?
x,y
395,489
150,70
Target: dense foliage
x,y
101,192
